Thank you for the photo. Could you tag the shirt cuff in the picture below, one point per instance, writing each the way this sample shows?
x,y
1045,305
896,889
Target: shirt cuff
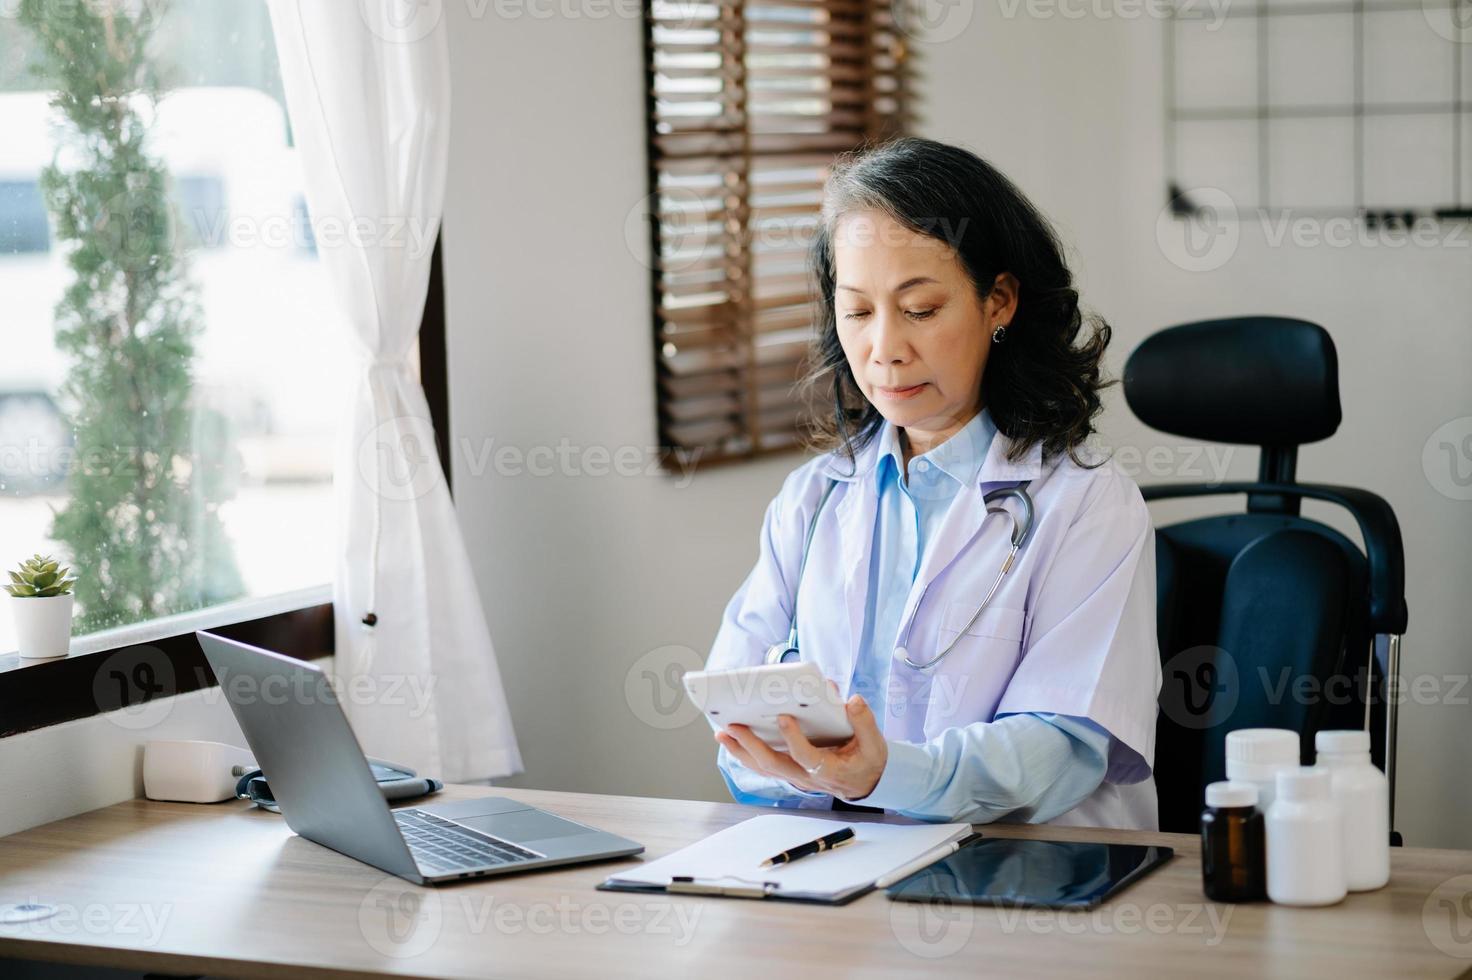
x,y
902,784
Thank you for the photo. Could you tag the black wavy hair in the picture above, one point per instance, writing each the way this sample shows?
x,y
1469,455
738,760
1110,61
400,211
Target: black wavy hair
x,y
1042,383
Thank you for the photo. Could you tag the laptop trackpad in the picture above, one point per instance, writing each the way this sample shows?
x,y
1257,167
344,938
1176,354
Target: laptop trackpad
x,y
522,825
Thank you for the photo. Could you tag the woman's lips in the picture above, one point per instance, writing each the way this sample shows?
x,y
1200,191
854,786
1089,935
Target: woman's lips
x,y
900,394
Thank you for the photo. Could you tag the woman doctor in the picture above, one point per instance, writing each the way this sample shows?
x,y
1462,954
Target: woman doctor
x,y
952,352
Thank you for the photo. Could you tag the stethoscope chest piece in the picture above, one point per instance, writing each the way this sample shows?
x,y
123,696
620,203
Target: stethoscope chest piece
x,y
782,653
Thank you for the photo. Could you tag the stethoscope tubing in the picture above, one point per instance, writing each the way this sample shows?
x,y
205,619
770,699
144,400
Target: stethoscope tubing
x,y
1021,531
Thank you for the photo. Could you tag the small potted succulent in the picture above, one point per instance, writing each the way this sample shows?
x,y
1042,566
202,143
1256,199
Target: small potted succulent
x,y
42,602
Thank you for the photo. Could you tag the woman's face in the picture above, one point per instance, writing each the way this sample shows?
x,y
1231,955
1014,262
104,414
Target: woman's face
x,y
914,332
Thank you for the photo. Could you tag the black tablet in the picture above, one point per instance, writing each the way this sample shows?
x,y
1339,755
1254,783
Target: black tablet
x,y
1031,873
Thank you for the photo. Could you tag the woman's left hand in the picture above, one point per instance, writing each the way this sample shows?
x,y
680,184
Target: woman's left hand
x,y
849,771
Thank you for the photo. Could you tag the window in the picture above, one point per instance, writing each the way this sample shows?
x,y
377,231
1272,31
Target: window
x,y
169,393
749,103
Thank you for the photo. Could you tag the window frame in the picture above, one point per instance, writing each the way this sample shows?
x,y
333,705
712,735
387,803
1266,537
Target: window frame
x,y
868,57
40,694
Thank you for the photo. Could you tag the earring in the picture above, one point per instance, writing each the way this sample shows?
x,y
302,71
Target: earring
x,y
999,334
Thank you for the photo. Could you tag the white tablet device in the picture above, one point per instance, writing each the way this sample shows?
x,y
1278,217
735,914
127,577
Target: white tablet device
x,y
755,696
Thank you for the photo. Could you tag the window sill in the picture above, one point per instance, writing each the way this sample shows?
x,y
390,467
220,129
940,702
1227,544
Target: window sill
x,y
131,665
154,630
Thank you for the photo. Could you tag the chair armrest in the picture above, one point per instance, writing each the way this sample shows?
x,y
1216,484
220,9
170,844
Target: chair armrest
x,y
1384,550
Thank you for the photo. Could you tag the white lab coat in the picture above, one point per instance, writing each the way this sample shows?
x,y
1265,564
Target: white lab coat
x,y
1070,631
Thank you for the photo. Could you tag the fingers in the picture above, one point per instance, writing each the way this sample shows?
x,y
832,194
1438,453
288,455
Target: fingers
x,y
866,726
735,738
798,745
746,759
807,755
872,753
767,759
737,752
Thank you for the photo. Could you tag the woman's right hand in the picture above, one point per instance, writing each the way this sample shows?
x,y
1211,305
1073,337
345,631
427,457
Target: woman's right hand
x,y
849,771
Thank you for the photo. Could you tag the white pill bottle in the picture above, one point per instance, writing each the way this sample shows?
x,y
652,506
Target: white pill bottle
x,y
1305,858
1363,796
1257,755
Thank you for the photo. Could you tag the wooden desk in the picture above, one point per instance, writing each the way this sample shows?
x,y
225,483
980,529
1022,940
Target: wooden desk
x,y
229,891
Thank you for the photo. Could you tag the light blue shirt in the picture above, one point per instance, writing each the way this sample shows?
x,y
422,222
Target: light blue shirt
x,y
1030,767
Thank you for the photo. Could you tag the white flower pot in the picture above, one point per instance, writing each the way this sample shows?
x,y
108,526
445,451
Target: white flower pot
x,y
43,626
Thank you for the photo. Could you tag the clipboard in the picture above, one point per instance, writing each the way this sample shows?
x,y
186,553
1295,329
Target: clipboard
x,y
729,863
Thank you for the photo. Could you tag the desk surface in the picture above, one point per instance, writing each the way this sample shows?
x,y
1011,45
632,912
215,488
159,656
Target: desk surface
x,y
230,891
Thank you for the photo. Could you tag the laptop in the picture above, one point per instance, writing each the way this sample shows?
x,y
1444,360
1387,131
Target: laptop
x,y
317,772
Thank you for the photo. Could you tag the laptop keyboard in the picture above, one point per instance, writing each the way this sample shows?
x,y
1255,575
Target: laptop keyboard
x,y
442,846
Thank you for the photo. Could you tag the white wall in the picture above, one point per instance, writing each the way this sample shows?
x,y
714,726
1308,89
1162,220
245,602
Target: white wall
x,y
93,762
549,339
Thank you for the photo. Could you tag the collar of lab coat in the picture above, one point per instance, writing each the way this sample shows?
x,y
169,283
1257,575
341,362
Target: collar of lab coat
x,y
995,468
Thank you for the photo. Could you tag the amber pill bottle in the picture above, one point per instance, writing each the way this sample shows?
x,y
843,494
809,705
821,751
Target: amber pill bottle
x,y
1233,844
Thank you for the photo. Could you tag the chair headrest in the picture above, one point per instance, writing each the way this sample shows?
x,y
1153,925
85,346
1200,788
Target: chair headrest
x,y
1257,380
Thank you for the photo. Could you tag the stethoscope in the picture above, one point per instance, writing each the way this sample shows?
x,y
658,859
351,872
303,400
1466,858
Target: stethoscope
x,y
783,652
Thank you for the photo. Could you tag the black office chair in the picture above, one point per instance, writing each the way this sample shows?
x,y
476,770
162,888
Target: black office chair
x,y
1266,618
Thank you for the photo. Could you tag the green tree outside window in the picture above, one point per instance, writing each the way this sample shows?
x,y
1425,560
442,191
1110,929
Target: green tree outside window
x,y
151,466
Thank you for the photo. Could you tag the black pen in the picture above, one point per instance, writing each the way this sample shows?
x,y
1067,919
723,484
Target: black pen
x,y
836,839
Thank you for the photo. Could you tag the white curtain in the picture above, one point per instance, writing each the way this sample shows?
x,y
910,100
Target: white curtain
x,y
370,109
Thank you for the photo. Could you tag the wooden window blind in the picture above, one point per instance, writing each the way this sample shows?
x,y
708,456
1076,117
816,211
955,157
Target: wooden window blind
x,y
749,102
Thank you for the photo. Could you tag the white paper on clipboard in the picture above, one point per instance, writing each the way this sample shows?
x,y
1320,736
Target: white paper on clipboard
x,y
733,857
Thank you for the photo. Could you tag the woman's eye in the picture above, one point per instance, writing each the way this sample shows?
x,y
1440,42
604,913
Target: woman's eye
x,y
920,314
856,314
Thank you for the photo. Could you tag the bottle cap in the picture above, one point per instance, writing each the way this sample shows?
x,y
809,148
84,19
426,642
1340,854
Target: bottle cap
x,y
1342,741
1304,784
1231,794
1258,745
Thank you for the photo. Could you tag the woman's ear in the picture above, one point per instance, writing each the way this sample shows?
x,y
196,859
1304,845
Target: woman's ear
x,y
1000,305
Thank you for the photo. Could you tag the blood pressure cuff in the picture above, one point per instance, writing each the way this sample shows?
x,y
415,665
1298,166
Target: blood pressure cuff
x,y
397,783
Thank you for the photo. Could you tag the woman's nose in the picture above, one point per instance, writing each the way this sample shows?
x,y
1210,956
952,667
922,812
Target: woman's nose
x,y
889,342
